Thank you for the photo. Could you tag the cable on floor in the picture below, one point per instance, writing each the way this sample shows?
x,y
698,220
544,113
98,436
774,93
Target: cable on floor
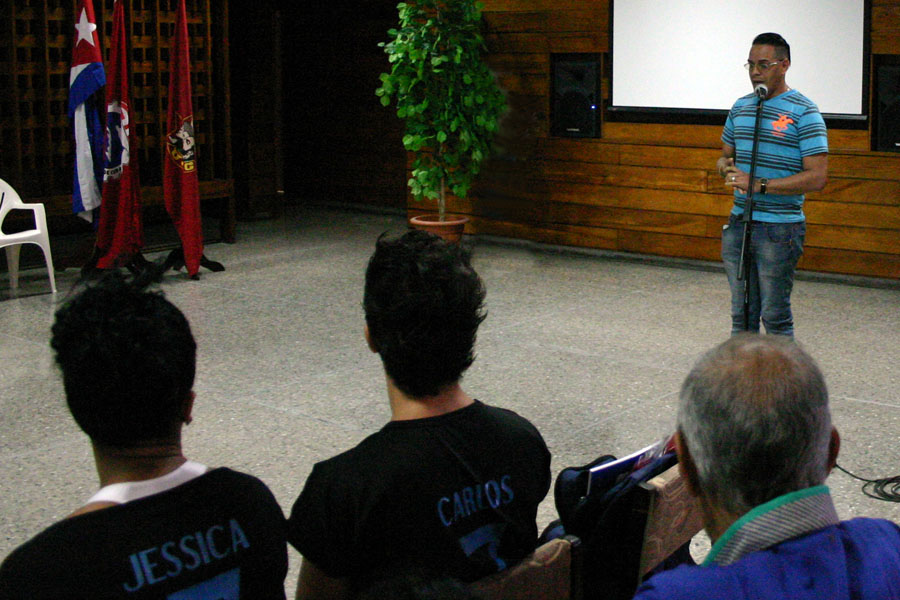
x,y
887,489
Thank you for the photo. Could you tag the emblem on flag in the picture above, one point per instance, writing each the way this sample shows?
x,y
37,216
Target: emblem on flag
x,y
180,144
118,152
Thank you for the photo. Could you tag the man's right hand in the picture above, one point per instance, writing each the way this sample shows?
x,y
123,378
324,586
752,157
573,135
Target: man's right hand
x,y
723,165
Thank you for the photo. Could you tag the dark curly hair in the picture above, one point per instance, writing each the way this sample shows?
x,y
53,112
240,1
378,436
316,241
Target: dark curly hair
x,y
423,303
127,358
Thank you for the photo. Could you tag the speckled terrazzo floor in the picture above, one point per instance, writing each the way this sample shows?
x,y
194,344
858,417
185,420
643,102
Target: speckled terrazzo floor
x,y
591,348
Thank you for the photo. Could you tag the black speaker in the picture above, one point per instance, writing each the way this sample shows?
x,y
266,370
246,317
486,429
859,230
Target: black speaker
x,y
576,95
887,107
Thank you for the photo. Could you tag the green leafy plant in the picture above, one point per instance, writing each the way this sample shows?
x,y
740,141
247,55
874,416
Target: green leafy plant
x,y
445,93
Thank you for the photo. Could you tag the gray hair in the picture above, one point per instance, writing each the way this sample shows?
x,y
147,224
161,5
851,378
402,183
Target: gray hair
x,y
754,415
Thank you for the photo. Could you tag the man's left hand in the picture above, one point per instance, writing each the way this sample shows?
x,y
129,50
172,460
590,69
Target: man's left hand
x,y
737,179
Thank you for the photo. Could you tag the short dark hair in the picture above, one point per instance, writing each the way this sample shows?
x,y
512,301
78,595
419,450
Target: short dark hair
x,y
423,303
128,360
782,48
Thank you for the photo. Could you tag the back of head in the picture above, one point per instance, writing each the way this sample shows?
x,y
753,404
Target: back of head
x,y
754,415
127,358
782,48
423,304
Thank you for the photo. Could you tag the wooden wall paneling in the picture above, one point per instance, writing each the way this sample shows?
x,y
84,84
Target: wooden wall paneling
x,y
624,176
874,165
519,22
563,235
516,43
627,219
522,74
581,211
714,224
525,122
861,191
579,149
637,198
556,21
838,189
501,215
503,207
857,215
852,238
542,5
836,260
527,116
667,156
841,140
662,244
591,42
716,185
527,84
522,63
691,136
885,27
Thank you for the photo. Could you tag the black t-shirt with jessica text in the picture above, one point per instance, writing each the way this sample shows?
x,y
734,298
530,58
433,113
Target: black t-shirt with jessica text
x,y
219,536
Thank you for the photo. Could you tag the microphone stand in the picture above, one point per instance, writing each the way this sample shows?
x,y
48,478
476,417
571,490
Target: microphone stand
x,y
744,267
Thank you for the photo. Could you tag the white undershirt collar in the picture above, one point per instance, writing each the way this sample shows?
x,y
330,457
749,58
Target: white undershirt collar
x,y
120,493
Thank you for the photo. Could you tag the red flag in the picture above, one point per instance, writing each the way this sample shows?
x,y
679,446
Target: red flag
x,y
121,233
180,185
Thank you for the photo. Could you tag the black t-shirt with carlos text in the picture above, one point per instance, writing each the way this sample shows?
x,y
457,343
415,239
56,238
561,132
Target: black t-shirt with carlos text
x,y
455,495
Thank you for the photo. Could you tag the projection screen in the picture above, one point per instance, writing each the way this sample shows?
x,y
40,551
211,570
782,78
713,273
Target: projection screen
x,y
688,54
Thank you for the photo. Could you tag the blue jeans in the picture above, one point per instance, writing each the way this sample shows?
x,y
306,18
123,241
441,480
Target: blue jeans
x,y
775,249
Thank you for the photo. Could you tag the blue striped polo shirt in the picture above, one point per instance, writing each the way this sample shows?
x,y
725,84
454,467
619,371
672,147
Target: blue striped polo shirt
x,y
791,128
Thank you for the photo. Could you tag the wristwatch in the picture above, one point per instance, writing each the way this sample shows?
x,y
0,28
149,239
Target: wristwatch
x,y
763,182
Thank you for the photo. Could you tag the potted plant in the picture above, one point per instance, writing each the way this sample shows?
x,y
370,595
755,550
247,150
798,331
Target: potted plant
x,y
445,93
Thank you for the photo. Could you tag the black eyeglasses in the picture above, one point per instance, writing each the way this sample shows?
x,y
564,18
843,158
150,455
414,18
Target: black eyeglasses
x,y
763,66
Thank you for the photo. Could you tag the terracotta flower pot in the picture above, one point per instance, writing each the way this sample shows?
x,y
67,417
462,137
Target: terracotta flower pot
x,y
450,229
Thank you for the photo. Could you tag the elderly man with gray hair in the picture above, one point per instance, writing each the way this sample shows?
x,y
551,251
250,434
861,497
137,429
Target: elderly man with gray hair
x,y
755,444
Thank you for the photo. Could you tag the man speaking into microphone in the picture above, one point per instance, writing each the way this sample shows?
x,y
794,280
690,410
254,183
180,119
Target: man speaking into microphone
x,y
792,159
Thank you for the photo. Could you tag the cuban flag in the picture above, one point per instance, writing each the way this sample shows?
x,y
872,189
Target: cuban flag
x,y
86,80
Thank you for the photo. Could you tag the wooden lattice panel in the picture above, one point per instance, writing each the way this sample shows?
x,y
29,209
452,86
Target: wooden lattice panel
x,y
36,38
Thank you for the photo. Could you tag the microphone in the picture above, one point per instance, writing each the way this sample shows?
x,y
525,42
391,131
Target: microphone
x,y
761,91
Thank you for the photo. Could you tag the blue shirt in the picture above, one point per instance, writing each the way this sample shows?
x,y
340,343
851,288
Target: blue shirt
x,y
762,556
791,128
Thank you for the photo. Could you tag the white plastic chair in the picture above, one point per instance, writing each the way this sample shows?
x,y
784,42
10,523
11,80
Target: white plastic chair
x,y
10,200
